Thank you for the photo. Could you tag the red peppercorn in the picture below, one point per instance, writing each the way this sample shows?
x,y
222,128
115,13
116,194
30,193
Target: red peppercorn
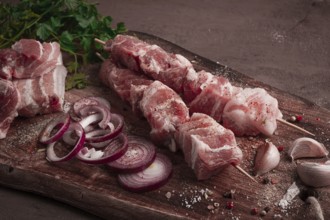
x,y
299,118
254,211
230,205
280,148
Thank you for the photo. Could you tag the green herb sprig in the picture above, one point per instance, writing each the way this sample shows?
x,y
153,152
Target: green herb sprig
x,y
72,23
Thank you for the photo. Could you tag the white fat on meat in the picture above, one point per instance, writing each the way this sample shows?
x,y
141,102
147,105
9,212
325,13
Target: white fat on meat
x,y
199,147
208,147
252,111
9,99
211,95
28,58
42,95
165,111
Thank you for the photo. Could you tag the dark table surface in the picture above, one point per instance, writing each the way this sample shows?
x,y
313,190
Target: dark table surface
x,y
282,43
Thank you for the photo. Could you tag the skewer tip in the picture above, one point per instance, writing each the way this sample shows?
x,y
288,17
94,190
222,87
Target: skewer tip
x,y
100,56
240,169
294,126
99,41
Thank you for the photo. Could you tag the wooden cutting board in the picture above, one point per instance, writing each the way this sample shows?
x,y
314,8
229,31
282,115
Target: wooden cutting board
x,y
94,188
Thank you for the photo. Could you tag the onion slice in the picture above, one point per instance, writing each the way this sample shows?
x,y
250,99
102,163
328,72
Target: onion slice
x,y
97,109
153,177
89,101
116,125
62,121
139,155
76,127
114,150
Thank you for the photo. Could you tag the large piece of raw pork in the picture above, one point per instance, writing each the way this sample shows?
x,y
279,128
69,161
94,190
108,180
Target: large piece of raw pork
x,y
32,81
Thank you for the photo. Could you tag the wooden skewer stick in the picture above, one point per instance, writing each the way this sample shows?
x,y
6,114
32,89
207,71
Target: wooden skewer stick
x,y
99,41
240,169
294,126
100,56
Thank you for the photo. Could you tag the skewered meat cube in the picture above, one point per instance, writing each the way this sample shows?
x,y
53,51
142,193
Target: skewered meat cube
x,y
250,112
207,146
152,60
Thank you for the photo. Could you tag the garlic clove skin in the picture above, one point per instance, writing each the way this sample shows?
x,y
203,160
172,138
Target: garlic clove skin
x,y
307,147
267,158
314,174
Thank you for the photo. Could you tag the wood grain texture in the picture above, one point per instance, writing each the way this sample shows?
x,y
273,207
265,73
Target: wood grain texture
x,y
94,188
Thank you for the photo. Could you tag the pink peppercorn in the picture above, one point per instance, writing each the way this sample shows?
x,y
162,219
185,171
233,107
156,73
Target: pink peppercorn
x,y
299,118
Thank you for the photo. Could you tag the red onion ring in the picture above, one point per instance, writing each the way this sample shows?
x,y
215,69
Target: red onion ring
x,y
139,155
97,136
153,177
90,119
97,109
51,155
88,101
63,121
114,150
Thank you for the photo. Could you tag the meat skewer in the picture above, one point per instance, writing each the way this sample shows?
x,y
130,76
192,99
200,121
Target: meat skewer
x,y
202,91
171,125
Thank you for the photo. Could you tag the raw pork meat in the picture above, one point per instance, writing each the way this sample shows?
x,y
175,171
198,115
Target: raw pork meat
x,y
29,59
128,84
208,147
32,81
165,112
207,93
170,69
42,95
250,112
9,99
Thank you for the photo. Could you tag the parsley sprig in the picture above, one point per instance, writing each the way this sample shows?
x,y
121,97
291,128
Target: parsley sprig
x,y
72,23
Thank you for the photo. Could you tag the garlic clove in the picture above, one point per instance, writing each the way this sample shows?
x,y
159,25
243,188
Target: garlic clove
x,y
307,147
314,174
267,158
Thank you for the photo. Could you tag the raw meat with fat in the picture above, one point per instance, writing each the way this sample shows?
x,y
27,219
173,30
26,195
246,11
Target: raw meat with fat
x,y
207,93
42,95
9,99
128,84
250,112
170,69
165,111
208,147
29,58
32,81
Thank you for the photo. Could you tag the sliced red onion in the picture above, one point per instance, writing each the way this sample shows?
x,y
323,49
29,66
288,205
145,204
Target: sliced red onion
x,y
76,113
139,155
97,109
79,131
62,121
116,125
114,150
153,177
90,119
88,101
